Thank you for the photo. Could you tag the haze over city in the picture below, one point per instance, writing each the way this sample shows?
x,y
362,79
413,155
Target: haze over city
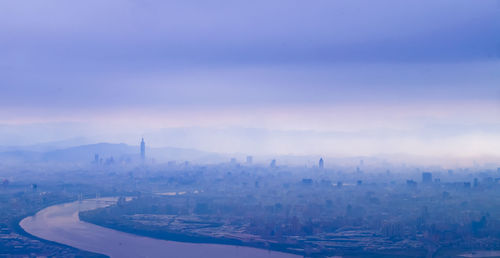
x,y
338,78
278,128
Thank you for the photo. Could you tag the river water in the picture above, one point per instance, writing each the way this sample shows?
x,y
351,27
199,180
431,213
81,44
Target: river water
x,y
60,223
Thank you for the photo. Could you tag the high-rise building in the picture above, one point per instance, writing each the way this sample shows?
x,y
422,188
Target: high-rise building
x,y
273,163
321,163
427,177
143,150
411,183
249,160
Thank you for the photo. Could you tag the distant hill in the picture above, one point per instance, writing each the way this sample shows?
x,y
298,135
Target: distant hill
x,y
85,154
47,146
20,156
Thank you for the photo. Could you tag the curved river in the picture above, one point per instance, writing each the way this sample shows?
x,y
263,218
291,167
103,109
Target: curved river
x,y
61,224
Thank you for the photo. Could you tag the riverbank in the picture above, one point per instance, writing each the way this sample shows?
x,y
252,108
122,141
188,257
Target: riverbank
x,y
61,224
164,218
191,238
17,204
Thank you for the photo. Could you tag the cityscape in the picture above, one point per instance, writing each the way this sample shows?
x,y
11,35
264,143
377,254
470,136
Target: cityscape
x,y
356,207
250,129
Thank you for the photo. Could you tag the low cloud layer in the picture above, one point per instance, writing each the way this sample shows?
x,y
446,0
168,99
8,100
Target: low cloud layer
x,y
99,69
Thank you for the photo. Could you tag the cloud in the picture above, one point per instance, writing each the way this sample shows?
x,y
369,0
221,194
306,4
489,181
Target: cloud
x,y
257,31
99,63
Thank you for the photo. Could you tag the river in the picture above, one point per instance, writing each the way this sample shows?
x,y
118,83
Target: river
x,y
61,224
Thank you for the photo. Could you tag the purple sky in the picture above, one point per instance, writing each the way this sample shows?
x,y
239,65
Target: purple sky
x,y
410,69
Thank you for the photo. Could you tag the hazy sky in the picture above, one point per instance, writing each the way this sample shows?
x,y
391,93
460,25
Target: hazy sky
x,y
333,76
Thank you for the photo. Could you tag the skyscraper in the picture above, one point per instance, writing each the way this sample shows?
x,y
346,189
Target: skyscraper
x,y
427,177
273,163
321,163
143,150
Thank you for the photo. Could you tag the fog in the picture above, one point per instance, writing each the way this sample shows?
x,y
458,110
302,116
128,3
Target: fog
x,y
309,206
278,128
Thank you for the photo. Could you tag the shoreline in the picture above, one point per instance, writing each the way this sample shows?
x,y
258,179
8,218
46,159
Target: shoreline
x,y
17,228
61,224
185,238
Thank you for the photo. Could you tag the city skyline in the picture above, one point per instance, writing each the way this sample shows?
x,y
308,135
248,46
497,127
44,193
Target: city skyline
x,y
250,129
331,77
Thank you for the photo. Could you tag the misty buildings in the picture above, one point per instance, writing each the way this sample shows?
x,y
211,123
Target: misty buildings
x,y
307,181
143,150
321,163
273,164
249,160
426,177
410,183
109,161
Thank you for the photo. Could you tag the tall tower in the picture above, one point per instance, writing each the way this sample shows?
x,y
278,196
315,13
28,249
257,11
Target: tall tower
x,y
143,150
273,163
321,163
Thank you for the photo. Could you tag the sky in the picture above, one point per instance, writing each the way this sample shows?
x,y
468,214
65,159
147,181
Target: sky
x,y
329,77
